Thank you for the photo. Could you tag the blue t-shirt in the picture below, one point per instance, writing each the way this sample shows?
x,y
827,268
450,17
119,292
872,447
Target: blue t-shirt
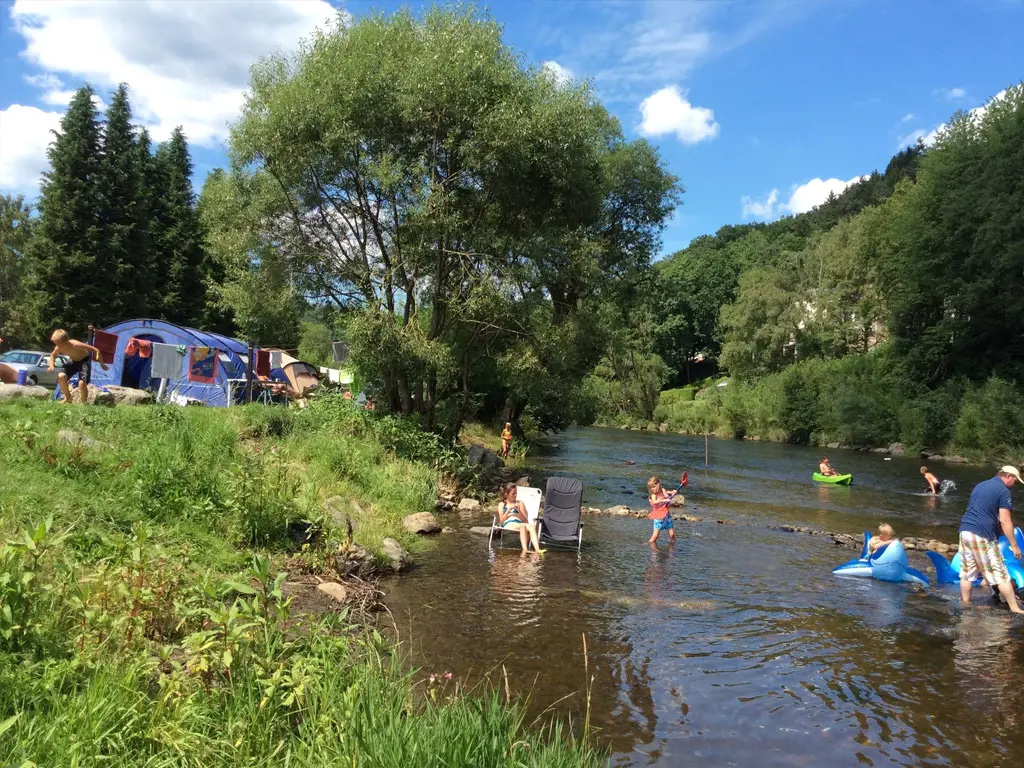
x,y
982,516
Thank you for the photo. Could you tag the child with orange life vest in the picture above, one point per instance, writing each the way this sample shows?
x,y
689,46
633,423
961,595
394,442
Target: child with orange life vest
x,y
660,501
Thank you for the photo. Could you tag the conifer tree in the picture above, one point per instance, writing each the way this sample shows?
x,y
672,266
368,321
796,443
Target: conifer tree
x,y
71,275
181,247
126,215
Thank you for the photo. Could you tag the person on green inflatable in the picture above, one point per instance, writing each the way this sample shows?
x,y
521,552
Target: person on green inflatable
x,y
825,468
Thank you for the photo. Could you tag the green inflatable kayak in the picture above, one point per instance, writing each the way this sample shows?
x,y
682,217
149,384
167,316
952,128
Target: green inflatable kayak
x,y
834,479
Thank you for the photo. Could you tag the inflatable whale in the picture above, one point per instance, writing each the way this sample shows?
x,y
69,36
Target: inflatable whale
x,y
888,563
949,572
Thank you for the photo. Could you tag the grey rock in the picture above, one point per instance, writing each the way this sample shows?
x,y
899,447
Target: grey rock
x,y
13,391
832,445
481,530
335,507
591,511
897,449
879,450
485,458
618,509
524,481
448,529
423,523
663,427
333,590
395,553
70,437
129,396
678,500
468,505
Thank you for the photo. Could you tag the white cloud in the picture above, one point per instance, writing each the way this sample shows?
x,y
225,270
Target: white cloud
x,y
761,209
561,75
930,137
955,94
668,111
25,133
907,117
186,61
804,197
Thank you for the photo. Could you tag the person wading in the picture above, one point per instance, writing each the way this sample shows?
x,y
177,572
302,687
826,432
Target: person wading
x,y
987,511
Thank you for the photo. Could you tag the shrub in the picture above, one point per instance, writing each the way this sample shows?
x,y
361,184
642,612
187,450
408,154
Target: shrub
x,y
991,421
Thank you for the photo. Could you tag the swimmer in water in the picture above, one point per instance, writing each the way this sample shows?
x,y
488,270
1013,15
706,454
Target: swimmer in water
x,y
934,484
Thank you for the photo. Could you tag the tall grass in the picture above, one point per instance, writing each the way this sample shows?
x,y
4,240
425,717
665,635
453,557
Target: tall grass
x,y
144,622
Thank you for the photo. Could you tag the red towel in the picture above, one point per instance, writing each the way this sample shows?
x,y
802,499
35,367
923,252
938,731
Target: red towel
x,y
106,343
263,362
141,347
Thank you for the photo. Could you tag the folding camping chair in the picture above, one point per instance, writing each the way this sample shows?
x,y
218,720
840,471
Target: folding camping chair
x,y
531,500
562,524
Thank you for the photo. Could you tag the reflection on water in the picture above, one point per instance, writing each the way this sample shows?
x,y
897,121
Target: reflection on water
x,y
736,646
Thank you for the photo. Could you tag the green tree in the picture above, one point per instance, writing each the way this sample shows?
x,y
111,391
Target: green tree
x,y
761,327
181,244
126,214
410,170
15,234
70,268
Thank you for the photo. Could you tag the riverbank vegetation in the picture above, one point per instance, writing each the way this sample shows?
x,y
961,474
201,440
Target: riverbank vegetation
x,y
145,614
888,314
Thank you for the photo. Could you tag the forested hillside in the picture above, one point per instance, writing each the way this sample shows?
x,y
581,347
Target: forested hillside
x,y
890,313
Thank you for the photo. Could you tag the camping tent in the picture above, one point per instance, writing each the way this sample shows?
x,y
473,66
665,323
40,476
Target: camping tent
x,y
135,371
303,378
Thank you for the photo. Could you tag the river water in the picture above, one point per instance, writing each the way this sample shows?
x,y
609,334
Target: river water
x,y
735,647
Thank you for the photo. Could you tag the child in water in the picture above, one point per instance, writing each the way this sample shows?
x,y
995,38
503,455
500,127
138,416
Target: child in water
x,y
885,536
660,501
934,484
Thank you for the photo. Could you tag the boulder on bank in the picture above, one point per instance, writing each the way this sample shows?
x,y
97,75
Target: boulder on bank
x,y
524,481
830,446
13,391
897,449
334,590
478,455
948,459
130,396
468,505
422,523
70,437
395,553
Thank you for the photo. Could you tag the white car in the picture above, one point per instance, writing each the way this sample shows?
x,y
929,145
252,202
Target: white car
x,y
35,365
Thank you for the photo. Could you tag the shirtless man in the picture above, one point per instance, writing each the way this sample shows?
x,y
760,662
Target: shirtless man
x,y
80,356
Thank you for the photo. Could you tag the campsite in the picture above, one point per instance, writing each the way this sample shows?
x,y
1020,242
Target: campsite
x,y
510,386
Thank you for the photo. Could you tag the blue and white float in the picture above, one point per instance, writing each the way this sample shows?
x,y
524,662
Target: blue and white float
x,y
888,563
949,572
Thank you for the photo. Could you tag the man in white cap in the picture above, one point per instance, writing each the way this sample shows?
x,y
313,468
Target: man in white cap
x,y
988,511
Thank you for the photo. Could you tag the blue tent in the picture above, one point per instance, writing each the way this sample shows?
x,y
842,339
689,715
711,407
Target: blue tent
x,y
134,371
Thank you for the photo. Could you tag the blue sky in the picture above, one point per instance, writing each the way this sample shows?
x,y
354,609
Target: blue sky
x,y
761,108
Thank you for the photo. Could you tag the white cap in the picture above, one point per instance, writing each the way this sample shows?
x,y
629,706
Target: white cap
x,y
1009,469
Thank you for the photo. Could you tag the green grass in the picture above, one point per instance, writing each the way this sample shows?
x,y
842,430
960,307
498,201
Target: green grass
x,y
145,624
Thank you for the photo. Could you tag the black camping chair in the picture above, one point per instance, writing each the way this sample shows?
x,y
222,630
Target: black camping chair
x,y
562,523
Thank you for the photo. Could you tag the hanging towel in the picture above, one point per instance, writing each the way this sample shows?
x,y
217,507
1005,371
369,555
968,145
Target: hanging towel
x,y
339,350
168,362
141,347
106,343
202,365
334,376
275,359
262,362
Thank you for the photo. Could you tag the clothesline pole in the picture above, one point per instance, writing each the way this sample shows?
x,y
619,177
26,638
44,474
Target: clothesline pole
x,y
248,375
160,392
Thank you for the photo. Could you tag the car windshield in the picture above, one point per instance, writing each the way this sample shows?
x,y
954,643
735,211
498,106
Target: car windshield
x,y
20,358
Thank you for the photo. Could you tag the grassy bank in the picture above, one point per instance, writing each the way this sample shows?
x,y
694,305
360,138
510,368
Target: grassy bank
x,y
855,401
145,618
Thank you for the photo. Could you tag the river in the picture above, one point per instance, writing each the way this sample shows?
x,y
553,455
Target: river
x,y
735,647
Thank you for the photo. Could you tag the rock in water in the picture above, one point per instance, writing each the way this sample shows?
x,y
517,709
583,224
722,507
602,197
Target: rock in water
x,y
678,500
423,523
396,554
468,505
618,509
333,590
485,458
480,530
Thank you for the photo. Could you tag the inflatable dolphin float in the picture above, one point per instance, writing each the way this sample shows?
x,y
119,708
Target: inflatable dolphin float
x,y
888,563
949,572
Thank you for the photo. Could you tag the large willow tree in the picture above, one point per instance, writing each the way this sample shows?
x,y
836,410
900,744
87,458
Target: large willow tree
x,y
459,207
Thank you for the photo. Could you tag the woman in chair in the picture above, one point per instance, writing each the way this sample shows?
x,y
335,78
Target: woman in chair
x,y
512,516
